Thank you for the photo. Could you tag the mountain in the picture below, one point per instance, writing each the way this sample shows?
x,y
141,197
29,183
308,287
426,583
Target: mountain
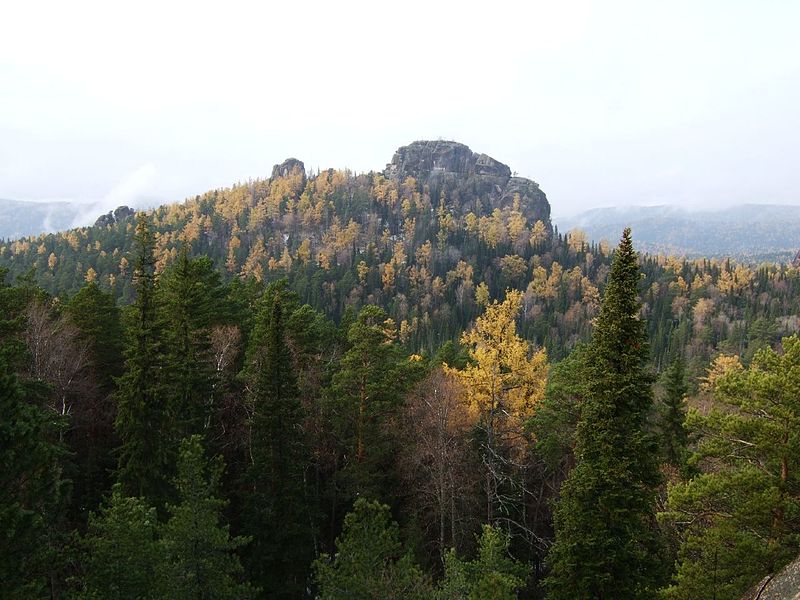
x,y
753,232
430,238
19,219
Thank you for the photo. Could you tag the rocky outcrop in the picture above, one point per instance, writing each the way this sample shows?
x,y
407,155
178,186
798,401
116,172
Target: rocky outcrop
x,y
470,181
119,214
784,585
287,167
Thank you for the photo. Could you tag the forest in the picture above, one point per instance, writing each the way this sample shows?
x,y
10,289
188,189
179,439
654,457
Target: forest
x,y
389,385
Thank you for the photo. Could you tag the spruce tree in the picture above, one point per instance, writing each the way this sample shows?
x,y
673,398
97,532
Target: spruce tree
x,y
276,505
673,414
606,543
190,302
142,423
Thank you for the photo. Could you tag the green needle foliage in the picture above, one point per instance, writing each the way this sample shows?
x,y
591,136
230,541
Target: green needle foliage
x,y
493,575
606,542
740,517
122,553
143,425
369,563
277,515
673,434
200,562
29,488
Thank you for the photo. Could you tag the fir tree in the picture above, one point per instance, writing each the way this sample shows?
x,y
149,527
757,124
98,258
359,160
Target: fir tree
x,y
606,543
142,422
200,562
277,515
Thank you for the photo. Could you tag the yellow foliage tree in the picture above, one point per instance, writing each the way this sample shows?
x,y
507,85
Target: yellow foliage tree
x,y
505,379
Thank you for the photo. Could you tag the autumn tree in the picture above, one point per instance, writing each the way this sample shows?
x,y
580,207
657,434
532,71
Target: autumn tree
x,y
437,464
606,542
503,383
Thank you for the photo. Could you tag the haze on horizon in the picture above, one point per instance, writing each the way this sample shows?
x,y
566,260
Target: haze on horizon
x,y
691,104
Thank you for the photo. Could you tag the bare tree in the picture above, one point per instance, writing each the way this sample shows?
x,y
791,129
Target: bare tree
x,y
58,357
439,468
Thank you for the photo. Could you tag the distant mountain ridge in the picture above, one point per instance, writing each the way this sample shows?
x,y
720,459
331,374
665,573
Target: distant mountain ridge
x,y
20,218
752,232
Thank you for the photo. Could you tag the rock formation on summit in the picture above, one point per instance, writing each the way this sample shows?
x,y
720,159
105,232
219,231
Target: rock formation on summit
x,y
467,178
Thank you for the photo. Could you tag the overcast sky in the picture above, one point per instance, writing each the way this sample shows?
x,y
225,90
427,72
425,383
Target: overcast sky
x,y
693,103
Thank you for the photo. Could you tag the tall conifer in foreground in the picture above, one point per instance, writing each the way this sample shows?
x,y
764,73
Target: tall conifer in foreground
x,y
606,543
142,423
276,514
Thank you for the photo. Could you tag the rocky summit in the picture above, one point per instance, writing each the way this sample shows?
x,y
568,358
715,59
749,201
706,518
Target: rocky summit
x,y
465,177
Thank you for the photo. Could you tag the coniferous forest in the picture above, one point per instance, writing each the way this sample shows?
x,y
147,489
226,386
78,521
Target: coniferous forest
x,y
396,384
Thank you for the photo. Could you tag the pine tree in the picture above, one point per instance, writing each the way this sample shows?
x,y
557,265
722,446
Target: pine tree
x,y
142,423
494,574
606,543
370,563
199,562
738,518
277,513
365,393
122,554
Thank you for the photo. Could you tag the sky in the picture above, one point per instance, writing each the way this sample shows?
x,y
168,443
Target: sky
x,y
691,103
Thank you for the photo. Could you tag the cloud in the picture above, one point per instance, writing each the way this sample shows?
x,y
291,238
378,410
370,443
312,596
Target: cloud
x,y
134,189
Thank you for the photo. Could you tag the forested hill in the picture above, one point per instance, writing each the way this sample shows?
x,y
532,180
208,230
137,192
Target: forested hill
x,y
430,238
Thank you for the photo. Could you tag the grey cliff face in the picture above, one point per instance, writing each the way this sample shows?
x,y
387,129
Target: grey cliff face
x,y
287,166
470,181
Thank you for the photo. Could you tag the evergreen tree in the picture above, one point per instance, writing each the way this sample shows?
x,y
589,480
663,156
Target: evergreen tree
x,y
200,562
739,518
493,575
122,554
96,315
365,392
277,513
190,303
606,543
142,423
673,414
369,563
91,437
29,489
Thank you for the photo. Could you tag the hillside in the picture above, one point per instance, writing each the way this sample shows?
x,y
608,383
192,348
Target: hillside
x,y
751,232
429,238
